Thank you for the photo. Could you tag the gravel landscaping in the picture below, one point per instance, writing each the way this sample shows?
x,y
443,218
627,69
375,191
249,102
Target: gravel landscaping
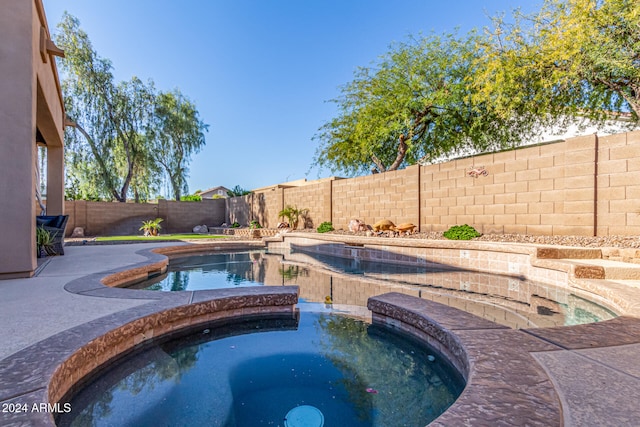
x,y
581,241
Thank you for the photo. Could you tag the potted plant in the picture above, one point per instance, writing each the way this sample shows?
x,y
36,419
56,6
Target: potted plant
x,y
44,241
151,227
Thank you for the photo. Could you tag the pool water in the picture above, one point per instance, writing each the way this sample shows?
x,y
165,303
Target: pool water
x,y
350,373
508,300
212,271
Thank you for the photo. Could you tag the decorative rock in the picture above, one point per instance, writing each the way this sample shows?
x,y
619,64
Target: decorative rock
x,y
201,229
283,225
356,225
78,232
384,225
406,227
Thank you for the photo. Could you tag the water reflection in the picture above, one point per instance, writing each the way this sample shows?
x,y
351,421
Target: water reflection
x,y
377,365
231,376
506,299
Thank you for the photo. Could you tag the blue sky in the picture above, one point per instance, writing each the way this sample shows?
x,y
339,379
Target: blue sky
x,y
261,72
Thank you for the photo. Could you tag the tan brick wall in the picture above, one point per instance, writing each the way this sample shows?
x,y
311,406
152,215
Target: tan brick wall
x,y
545,189
314,197
239,209
181,217
548,189
391,195
266,205
107,218
619,184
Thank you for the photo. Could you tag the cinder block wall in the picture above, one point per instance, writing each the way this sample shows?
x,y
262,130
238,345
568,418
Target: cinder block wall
x,y
314,197
618,188
391,195
239,209
181,217
581,186
266,205
107,218
546,189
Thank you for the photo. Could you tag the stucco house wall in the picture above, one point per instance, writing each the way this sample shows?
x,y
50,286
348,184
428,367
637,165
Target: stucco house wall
x,y
30,100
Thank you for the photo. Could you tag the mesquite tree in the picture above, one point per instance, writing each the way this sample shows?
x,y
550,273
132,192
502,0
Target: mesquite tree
x,y
415,105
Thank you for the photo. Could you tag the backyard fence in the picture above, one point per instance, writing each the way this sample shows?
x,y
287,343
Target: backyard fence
x,y
107,218
582,186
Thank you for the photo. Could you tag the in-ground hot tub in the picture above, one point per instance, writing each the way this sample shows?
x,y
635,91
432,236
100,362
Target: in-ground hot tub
x,y
327,369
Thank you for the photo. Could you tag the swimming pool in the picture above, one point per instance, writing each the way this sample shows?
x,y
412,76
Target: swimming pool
x,y
506,299
257,372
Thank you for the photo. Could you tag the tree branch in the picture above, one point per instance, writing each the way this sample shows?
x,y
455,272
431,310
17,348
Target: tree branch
x,y
378,163
103,169
402,152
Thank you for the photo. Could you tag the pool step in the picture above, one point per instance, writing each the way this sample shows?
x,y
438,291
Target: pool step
x,y
604,269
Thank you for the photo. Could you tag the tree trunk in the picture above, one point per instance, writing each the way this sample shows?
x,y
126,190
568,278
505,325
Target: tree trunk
x,y
103,169
402,152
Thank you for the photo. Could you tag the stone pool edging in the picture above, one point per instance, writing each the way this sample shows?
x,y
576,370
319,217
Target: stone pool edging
x,y
505,382
583,270
52,369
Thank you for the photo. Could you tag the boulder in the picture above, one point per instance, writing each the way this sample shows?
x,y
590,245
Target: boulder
x,y
356,225
406,227
201,229
78,232
384,225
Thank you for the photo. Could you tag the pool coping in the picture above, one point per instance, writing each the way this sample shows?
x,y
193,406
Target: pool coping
x,y
506,383
49,370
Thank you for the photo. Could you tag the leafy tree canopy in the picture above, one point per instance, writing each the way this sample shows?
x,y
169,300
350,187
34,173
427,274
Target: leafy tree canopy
x,y
436,96
416,104
573,59
177,132
237,191
126,137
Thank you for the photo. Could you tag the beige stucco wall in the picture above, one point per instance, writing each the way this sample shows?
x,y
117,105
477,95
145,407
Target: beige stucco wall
x,y
29,98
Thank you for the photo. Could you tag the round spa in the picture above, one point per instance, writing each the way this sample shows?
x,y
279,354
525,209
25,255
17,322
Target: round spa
x,y
319,369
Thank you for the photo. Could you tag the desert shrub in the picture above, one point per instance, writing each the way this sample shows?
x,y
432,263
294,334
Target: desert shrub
x,y
254,224
325,227
461,232
235,225
293,214
191,198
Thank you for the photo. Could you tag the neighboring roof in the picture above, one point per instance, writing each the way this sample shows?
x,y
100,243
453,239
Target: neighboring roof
x,y
297,183
219,187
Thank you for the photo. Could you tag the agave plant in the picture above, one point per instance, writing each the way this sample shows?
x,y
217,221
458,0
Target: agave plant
x,y
151,227
44,241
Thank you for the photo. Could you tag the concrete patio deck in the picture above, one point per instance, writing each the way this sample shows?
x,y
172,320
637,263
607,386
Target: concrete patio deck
x,y
594,368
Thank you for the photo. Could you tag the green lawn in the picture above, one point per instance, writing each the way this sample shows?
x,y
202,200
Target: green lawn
x,y
158,238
